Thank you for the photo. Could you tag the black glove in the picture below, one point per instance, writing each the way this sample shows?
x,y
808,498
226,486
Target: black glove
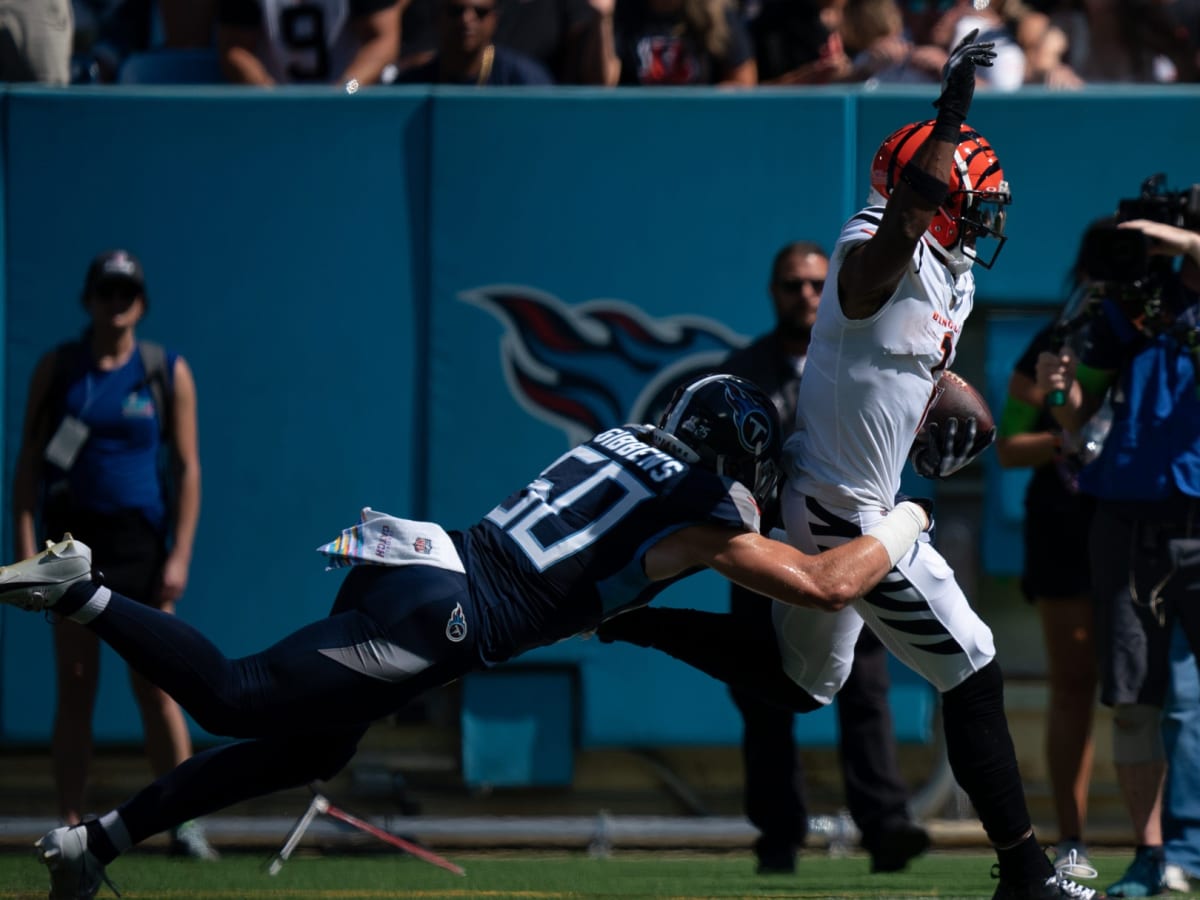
x,y
937,455
958,80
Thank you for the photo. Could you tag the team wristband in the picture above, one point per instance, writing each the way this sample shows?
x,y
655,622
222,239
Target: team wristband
x,y
928,187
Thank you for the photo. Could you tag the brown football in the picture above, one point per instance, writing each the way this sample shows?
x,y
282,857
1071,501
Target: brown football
x,y
959,400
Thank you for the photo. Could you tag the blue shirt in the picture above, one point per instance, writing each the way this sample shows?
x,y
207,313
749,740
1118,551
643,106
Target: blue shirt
x,y
1152,452
118,467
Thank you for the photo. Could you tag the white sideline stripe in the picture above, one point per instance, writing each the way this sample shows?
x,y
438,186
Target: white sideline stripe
x,y
582,827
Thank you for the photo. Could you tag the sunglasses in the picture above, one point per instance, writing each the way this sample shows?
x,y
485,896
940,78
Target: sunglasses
x,y
115,291
456,10
795,285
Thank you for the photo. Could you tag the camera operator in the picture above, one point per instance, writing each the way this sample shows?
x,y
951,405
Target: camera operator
x,y
1144,543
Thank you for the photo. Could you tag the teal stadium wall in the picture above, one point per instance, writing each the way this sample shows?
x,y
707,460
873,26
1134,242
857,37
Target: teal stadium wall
x,y
323,263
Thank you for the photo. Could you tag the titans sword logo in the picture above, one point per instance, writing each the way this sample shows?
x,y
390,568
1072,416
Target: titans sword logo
x,y
593,365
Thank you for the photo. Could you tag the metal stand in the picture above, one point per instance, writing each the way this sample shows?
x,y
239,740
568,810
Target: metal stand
x,y
320,806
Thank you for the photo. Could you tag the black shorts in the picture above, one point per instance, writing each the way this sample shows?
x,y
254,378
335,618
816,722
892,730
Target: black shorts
x,y
1135,615
1056,542
127,550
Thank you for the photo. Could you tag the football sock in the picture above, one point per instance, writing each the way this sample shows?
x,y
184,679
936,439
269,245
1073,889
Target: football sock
x,y
99,844
984,763
75,597
1026,861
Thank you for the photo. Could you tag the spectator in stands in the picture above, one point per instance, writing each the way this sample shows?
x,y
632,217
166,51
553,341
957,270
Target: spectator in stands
x,y
103,412
774,786
566,36
468,54
1008,73
109,31
1045,47
571,38
188,23
1125,41
682,42
35,40
262,43
879,49
1056,580
797,41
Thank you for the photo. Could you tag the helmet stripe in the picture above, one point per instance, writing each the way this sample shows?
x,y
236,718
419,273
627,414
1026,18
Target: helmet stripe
x,y
894,163
671,423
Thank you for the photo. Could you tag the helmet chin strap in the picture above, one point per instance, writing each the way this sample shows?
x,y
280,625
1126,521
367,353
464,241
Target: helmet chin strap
x,y
956,259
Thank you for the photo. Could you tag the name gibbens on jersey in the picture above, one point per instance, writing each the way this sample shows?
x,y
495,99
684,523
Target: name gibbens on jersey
x,y
868,382
304,40
568,550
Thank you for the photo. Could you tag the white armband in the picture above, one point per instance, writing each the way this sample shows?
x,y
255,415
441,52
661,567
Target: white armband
x,y
899,529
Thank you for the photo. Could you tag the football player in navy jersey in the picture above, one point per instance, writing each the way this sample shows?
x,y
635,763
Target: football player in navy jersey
x,y
602,529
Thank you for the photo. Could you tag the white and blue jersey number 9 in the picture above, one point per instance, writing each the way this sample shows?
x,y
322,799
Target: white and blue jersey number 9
x,y
620,489
302,31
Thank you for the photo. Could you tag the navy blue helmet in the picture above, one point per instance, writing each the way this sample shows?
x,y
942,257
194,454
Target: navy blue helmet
x,y
729,425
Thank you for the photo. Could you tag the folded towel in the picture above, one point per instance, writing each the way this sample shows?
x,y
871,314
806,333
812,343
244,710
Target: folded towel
x,y
383,540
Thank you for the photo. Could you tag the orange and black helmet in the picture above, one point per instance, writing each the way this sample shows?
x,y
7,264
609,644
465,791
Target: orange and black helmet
x,y
979,193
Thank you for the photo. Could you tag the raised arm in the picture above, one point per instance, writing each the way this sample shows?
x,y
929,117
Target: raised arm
x,y
871,271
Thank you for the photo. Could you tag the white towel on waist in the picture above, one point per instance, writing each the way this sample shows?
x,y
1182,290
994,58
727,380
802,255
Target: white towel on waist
x,y
383,540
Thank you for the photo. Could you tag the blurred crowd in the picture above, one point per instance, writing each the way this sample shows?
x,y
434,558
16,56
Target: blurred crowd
x,y
1062,44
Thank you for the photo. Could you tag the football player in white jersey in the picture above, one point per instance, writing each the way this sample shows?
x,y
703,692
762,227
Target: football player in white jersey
x,y
897,293
900,287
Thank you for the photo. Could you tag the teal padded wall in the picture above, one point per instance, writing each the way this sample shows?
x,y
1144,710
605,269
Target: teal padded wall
x,y
283,245
330,266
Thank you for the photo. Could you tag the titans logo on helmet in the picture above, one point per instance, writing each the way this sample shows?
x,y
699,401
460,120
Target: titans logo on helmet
x,y
753,425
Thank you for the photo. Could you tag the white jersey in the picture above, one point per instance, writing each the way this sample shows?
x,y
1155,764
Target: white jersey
x,y
306,40
868,382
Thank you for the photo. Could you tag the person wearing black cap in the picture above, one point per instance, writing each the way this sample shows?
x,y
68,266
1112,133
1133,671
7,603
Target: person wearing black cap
x,y
103,412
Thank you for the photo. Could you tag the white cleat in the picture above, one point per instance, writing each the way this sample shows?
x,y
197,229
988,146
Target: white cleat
x,y
36,583
75,874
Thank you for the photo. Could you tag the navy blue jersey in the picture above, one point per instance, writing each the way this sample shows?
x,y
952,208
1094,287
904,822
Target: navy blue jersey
x,y
567,551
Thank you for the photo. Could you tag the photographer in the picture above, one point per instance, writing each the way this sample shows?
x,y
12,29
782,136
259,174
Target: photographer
x,y
1144,543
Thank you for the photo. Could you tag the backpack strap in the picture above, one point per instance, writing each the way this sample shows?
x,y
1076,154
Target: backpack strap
x,y
154,361
68,358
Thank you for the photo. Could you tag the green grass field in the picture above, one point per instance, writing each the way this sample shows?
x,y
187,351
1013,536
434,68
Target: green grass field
x,y
517,876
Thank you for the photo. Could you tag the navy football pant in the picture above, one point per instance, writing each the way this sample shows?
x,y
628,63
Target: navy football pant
x,y
303,703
